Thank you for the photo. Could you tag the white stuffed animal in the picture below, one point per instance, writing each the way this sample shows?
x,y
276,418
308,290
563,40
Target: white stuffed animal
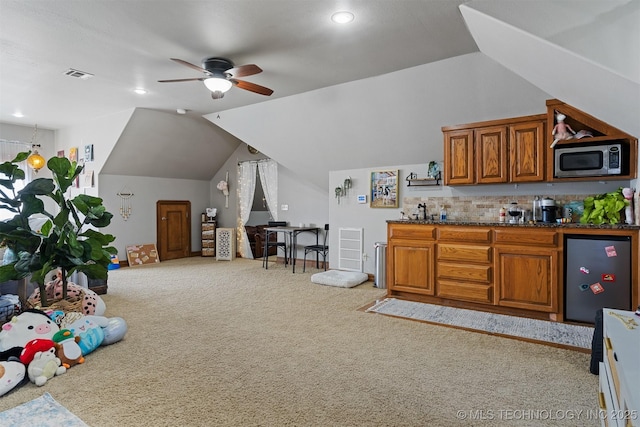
x,y
11,375
44,366
26,326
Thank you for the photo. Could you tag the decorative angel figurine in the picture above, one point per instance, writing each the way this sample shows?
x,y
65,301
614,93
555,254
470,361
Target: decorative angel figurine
x,y
561,130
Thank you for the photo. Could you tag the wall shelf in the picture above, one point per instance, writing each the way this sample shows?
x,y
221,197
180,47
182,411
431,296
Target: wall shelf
x,y
414,181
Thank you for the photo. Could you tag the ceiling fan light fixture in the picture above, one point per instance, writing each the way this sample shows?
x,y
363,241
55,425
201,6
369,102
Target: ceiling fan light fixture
x,y
217,84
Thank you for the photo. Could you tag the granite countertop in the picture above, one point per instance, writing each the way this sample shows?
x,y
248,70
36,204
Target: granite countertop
x,y
506,224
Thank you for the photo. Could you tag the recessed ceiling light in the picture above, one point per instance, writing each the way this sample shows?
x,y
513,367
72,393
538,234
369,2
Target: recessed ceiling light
x,y
342,17
18,114
140,91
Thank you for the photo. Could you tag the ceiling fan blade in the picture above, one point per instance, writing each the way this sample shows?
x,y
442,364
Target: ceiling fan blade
x,y
182,80
252,87
190,65
244,70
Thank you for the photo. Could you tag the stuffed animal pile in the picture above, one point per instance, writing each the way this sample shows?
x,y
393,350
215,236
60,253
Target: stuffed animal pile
x,y
38,345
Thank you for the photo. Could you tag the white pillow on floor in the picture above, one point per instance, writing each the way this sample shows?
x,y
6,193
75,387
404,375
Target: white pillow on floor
x,y
343,279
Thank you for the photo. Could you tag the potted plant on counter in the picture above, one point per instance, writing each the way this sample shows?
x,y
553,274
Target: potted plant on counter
x,y
604,208
67,240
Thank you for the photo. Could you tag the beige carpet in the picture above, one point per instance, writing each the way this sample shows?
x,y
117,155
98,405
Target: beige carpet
x,y
231,344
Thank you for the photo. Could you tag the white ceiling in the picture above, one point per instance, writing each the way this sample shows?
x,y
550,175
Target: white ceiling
x,y
127,44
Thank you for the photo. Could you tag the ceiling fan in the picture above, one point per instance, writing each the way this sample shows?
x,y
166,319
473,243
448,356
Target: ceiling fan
x,y
220,74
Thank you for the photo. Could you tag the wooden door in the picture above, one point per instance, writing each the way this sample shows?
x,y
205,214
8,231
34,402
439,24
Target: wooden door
x,y
174,229
491,154
458,157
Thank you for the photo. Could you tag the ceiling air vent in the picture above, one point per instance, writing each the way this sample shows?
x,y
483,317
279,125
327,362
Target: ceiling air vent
x,y
78,74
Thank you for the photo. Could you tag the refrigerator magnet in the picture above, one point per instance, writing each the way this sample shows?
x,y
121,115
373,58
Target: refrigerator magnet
x,y
584,286
611,251
596,288
584,270
608,277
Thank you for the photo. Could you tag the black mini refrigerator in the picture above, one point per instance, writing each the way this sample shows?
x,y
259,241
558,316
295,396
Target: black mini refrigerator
x,y
597,275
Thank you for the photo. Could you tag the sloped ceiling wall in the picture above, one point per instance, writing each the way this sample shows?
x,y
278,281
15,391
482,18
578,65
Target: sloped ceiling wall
x,y
167,145
583,53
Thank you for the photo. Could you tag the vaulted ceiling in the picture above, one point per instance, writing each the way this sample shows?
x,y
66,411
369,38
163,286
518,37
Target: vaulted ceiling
x,y
127,44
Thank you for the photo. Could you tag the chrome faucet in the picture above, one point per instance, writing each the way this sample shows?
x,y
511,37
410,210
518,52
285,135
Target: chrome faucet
x,y
423,206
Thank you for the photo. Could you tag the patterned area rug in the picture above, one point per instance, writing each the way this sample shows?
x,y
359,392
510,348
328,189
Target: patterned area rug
x,y
543,331
42,412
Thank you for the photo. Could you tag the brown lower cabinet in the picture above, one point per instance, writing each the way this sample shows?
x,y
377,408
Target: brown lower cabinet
x,y
504,269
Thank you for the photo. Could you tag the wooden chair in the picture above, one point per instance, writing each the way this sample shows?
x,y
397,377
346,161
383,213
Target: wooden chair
x,y
320,249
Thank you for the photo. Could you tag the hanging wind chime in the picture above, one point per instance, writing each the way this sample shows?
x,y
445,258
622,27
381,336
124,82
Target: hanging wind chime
x,y
125,203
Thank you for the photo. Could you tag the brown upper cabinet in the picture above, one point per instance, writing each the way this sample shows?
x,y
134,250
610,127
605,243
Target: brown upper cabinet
x,y
494,152
519,149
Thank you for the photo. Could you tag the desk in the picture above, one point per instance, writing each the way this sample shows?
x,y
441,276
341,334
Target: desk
x,y
292,232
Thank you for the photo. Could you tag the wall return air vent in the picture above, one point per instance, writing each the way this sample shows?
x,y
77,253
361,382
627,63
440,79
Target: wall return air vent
x,y
78,74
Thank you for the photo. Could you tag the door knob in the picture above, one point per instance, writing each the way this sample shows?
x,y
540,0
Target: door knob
x,y
164,218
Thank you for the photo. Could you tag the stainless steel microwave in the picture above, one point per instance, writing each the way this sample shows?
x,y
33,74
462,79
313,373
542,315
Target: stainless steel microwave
x,y
589,160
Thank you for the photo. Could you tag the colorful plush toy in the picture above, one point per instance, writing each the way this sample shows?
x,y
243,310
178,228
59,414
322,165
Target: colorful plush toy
x,y
67,348
88,328
44,366
12,374
93,330
27,326
33,347
91,302
114,331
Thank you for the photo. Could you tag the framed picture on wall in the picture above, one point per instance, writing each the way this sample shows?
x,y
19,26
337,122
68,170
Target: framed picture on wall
x,y
384,189
73,157
88,153
73,154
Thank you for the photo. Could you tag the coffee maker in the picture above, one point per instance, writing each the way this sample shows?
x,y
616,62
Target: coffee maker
x,y
549,210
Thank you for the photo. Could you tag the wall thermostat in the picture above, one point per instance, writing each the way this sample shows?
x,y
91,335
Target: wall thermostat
x,y
362,198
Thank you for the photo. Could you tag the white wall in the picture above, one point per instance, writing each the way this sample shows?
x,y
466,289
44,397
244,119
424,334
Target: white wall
x,y
141,226
103,133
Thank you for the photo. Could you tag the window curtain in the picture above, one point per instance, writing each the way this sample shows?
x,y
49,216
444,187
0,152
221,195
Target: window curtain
x,y
269,179
246,189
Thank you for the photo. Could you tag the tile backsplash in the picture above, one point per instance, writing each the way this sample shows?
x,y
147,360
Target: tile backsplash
x,y
476,208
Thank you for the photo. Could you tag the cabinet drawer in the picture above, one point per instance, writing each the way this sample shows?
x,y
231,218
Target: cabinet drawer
x,y
208,227
475,292
529,236
412,231
465,253
611,363
456,271
465,234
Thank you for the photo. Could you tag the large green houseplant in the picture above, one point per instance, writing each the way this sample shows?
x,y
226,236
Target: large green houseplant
x,y
68,240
